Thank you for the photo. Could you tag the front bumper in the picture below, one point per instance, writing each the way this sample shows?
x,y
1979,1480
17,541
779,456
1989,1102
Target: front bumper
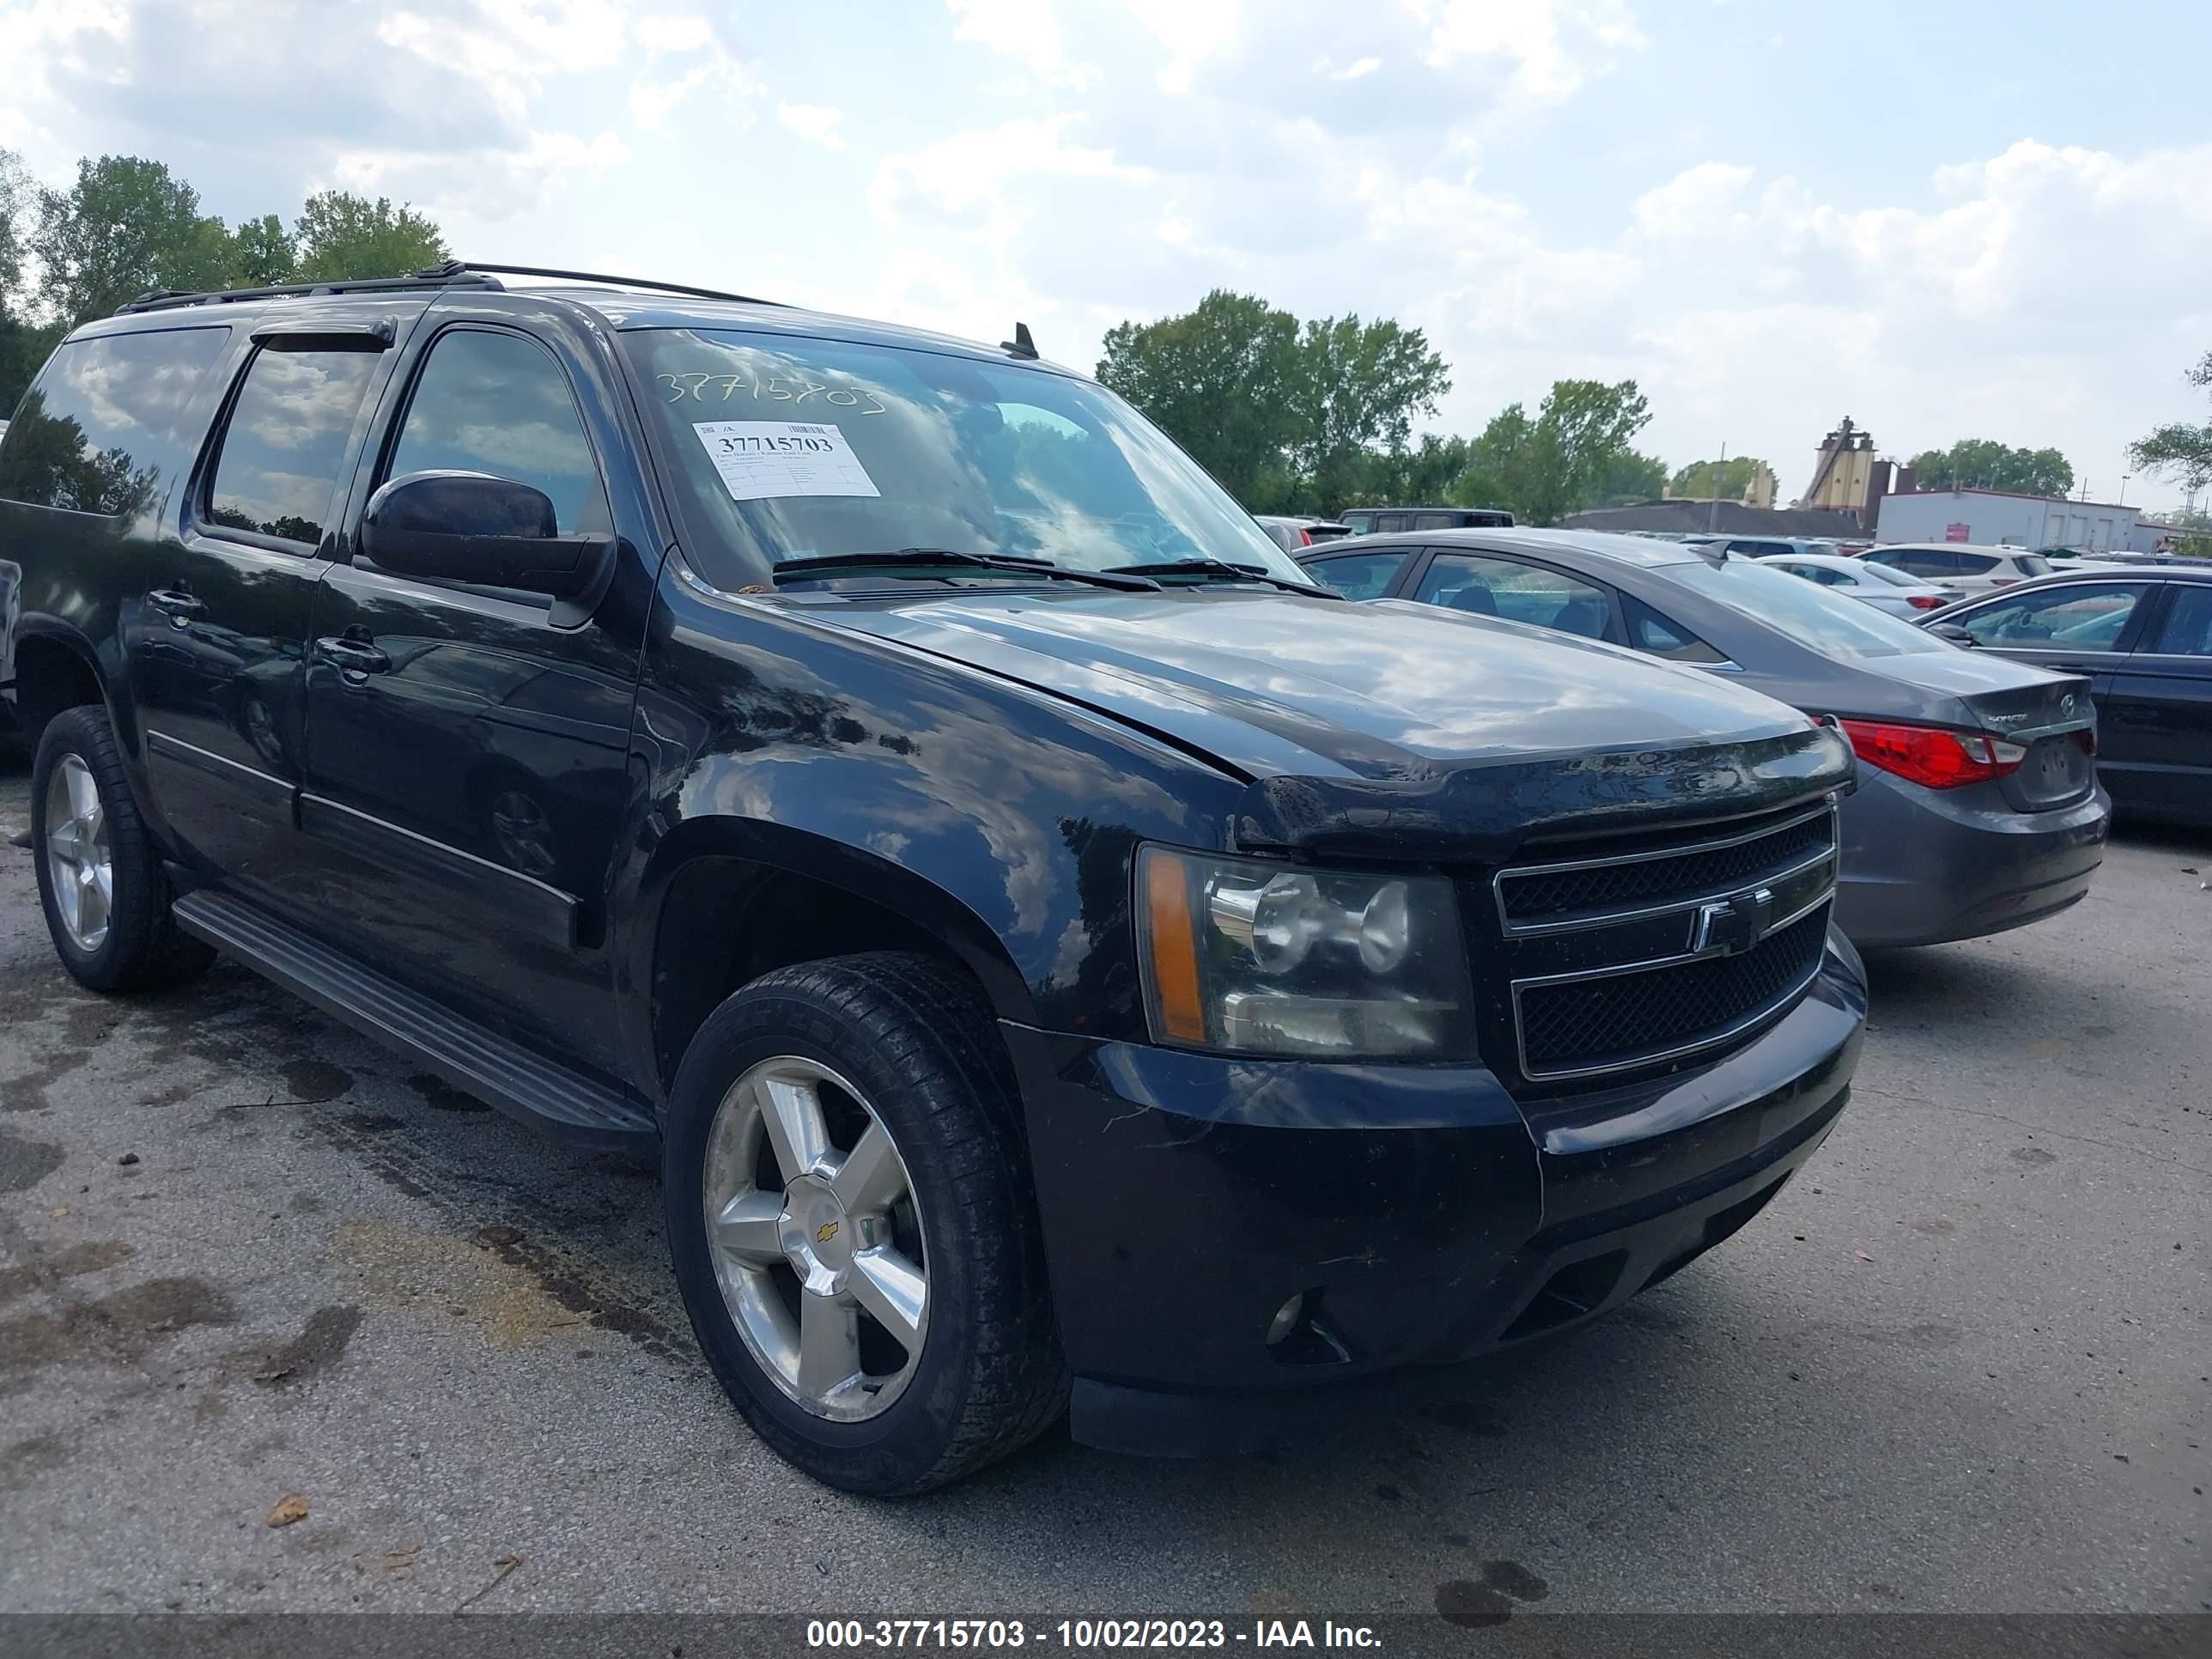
x,y
1424,1216
1922,866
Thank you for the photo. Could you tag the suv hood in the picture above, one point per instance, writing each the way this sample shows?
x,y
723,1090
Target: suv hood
x,y
1388,728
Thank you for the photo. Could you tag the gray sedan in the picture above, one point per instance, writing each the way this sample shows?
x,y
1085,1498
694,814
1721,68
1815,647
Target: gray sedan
x,y
1977,807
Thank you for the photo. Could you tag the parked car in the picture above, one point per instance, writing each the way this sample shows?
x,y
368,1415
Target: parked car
x,y
1877,585
978,895
1767,547
2143,639
1977,807
1961,565
1293,533
1382,520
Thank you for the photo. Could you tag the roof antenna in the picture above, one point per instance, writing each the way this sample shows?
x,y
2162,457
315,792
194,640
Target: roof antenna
x,y
1021,346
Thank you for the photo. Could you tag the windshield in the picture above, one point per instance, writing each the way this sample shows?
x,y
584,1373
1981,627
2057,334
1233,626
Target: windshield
x,y
792,448
1829,622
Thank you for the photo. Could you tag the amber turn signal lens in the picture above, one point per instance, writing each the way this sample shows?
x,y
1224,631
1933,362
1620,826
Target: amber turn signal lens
x,y
1174,944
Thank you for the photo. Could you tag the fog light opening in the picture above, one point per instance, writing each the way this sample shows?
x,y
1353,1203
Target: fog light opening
x,y
1299,1333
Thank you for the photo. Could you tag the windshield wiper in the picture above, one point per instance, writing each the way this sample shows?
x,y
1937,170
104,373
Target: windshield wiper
x,y
820,563
1223,570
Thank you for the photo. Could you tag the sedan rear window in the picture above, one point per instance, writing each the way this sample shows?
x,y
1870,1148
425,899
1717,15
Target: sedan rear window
x,y
1830,623
793,447
1882,573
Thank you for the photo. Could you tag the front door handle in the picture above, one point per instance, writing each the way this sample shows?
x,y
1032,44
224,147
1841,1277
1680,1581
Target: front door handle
x,y
177,604
354,652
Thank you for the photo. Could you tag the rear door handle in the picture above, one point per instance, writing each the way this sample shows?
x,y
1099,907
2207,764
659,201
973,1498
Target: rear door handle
x,y
353,655
177,604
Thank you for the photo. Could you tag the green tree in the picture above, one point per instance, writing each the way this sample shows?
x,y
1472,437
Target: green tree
x,y
1564,459
2178,450
1706,481
23,343
342,235
15,198
1224,381
1627,478
1981,463
126,225
1364,384
262,252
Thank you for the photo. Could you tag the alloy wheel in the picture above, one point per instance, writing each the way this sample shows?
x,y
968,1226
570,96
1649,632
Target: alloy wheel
x,y
816,1238
79,866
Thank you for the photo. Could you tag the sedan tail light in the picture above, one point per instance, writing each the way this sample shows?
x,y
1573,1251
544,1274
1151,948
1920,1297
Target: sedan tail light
x,y
1934,757
1305,538
1926,601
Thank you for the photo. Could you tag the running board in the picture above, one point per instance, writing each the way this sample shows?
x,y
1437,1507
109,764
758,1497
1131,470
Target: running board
x,y
563,1102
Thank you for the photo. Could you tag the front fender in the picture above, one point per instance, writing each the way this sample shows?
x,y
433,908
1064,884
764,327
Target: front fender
x,y
1000,818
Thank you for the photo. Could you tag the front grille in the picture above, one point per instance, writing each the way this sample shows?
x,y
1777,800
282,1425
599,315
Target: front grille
x,y
1624,1019
1643,951
1546,894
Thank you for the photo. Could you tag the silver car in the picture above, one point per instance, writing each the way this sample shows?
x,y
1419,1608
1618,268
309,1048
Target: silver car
x,y
1877,585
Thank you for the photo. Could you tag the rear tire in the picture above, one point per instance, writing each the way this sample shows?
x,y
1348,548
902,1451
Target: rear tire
x,y
903,1064
101,880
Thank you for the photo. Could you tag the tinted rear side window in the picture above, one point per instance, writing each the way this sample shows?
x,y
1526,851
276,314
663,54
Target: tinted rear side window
x,y
1663,636
1973,564
1360,575
285,440
2188,630
107,417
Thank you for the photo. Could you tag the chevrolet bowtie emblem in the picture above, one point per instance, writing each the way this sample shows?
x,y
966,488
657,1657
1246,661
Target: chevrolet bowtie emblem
x,y
1730,925
825,1232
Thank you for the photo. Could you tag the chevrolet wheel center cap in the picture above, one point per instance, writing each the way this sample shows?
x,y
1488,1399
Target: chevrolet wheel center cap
x,y
816,1235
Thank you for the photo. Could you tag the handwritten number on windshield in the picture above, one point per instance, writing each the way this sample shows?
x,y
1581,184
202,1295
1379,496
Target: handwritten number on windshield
x,y
781,388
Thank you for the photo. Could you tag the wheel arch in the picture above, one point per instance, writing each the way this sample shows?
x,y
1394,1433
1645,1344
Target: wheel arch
x,y
53,667
725,899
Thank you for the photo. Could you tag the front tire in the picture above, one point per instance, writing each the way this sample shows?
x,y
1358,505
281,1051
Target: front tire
x,y
852,1226
101,880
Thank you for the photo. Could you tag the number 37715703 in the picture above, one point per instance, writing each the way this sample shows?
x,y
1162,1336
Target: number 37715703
x,y
772,388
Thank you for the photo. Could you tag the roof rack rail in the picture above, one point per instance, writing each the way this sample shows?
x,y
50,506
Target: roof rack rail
x,y
452,274
615,281
455,273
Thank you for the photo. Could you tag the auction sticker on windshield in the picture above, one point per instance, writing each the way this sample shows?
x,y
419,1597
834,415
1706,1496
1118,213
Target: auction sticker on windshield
x,y
760,460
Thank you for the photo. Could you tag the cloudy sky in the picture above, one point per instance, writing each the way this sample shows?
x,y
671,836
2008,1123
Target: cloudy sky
x,y
1967,219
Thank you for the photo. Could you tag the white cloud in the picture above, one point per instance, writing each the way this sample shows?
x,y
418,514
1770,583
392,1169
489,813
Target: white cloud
x,y
816,122
1079,162
664,33
1550,47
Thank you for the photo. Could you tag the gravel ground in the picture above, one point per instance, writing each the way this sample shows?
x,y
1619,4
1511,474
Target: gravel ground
x,y
1959,1365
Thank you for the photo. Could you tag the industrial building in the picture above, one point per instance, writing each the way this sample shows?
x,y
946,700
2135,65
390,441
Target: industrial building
x,y
1999,517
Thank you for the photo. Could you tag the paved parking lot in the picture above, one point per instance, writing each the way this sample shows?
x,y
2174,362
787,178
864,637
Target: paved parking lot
x,y
1960,1365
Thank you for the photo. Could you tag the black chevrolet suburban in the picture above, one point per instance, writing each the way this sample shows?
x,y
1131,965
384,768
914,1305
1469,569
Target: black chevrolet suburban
x,y
1062,961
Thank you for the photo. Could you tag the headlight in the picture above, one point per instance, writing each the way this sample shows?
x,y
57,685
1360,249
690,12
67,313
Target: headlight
x,y
1263,958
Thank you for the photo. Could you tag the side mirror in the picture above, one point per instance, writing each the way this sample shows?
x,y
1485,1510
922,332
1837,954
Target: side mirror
x,y
1954,632
471,527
